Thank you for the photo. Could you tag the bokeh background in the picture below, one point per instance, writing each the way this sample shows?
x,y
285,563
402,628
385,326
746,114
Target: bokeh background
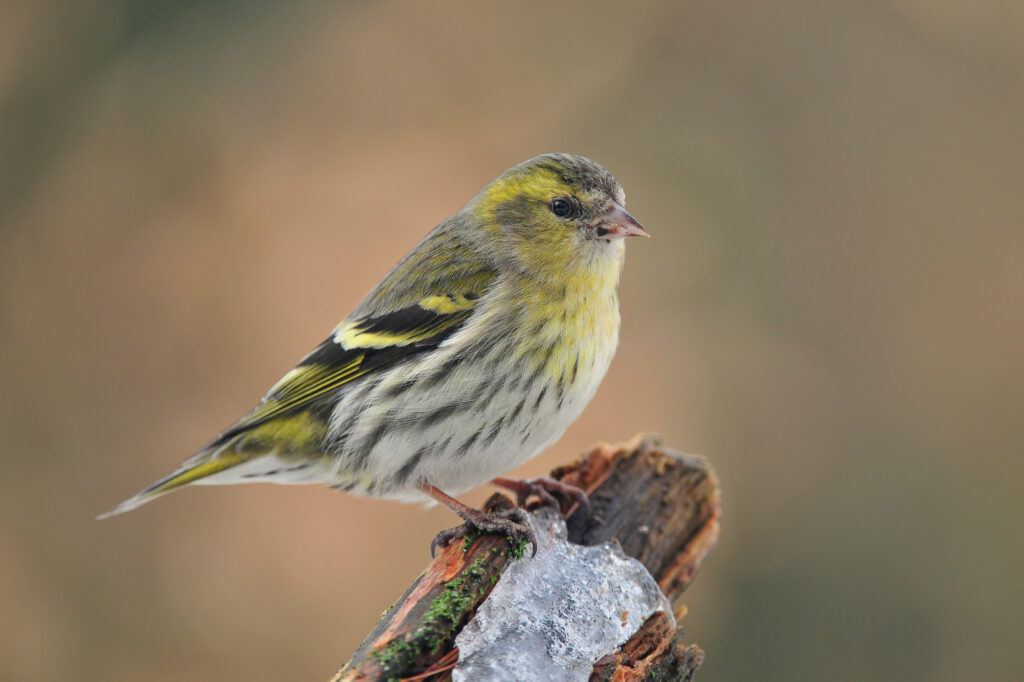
x,y
192,194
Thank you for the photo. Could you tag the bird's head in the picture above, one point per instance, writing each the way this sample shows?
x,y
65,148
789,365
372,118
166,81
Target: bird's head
x,y
556,211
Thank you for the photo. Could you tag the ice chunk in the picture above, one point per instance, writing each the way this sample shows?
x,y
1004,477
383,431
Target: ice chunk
x,y
551,617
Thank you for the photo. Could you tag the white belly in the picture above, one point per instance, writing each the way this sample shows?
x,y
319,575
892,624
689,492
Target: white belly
x,y
485,417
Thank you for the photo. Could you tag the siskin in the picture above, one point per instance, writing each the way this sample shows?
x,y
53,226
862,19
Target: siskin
x,y
471,356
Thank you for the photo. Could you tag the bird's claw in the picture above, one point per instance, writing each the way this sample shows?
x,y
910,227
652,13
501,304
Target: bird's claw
x,y
513,522
551,492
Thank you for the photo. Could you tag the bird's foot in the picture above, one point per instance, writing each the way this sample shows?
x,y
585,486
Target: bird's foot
x,y
512,522
551,492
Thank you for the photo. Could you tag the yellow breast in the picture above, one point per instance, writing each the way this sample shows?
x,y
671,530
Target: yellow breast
x,y
573,323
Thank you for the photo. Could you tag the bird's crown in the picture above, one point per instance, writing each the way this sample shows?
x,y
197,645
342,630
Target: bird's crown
x,y
544,178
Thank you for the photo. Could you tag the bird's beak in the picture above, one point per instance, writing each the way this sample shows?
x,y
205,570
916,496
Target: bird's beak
x,y
616,223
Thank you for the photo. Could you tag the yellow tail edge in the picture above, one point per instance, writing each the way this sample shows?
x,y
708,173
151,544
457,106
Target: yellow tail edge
x,y
183,476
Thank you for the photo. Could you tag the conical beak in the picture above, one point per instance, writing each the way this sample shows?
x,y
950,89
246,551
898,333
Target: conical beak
x,y
616,223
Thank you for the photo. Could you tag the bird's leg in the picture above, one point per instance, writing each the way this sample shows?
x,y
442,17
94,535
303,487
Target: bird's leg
x,y
513,522
552,492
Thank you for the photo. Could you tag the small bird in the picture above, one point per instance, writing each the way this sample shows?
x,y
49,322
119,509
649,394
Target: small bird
x,y
471,356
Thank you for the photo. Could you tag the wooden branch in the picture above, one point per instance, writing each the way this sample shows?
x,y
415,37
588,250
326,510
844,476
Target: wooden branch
x,y
660,506
653,653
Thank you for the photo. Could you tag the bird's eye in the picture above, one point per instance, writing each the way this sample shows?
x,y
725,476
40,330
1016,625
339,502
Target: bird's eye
x,y
561,207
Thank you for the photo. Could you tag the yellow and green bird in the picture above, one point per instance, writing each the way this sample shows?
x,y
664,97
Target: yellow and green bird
x,y
471,356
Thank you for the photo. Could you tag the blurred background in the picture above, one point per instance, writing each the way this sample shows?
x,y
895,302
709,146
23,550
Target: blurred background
x,y
192,194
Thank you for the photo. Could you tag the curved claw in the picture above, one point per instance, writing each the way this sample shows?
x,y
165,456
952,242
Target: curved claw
x,y
550,491
446,537
513,523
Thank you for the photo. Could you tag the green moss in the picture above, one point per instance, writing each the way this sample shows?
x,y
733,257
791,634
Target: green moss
x,y
395,658
476,570
519,548
445,614
469,539
439,624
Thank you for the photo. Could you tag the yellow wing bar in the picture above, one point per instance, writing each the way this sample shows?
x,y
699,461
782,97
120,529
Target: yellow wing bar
x,y
357,348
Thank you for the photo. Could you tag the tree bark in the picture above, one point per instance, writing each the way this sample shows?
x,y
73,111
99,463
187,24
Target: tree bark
x,y
662,507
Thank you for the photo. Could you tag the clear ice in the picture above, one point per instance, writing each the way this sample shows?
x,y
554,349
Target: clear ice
x,y
551,617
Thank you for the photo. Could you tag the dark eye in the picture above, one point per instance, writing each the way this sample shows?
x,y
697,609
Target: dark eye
x,y
561,207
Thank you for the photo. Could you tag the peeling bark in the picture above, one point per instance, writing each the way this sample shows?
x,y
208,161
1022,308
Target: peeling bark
x,y
660,506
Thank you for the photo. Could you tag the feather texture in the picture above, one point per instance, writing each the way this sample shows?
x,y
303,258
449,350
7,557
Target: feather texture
x,y
471,355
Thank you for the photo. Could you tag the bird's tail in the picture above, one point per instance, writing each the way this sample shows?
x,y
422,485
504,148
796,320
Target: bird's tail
x,y
197,468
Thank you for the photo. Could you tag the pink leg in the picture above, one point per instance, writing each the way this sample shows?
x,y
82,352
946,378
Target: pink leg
x,y
513,522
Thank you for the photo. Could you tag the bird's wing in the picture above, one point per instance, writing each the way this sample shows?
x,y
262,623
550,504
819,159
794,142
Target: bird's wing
x,y
290,417
426,298
362,345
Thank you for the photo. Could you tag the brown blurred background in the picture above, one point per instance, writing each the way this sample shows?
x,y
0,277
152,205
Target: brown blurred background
x,y
192,194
